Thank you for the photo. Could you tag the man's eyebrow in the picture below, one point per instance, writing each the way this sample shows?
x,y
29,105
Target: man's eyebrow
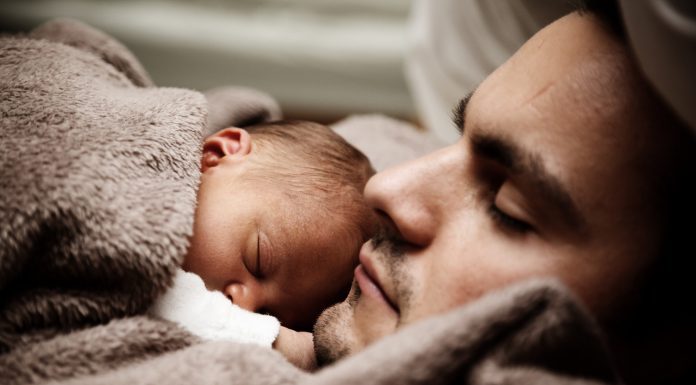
x,y
521,162
459,113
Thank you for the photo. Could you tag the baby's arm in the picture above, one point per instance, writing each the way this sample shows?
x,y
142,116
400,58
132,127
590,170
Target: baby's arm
x,y
210,315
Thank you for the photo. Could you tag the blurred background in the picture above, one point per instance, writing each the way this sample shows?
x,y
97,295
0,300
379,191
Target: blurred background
x,y
320,59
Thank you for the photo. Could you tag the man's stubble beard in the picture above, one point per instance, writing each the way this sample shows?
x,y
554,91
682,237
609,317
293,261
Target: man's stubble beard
x,y
334,333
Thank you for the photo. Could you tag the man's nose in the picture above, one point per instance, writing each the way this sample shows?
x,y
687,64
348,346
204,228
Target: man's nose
x,y
411,195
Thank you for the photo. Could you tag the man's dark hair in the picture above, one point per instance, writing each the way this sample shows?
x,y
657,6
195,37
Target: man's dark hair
x,y
665,298
606,10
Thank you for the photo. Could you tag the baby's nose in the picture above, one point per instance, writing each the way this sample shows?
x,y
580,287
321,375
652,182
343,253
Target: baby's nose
x,y
244,295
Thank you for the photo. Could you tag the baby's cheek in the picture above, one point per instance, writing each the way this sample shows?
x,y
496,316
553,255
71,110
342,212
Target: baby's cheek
x,y
337,287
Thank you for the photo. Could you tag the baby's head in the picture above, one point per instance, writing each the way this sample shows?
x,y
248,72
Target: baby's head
x,y
280,218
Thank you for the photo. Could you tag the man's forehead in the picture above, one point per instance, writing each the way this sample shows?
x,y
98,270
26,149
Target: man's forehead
x,y
549,89
574,51
568,40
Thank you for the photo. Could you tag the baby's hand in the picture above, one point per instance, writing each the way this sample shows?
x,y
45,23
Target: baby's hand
x,y
297,347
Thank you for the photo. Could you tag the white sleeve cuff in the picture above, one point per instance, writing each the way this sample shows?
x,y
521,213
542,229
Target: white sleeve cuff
x,y
210,315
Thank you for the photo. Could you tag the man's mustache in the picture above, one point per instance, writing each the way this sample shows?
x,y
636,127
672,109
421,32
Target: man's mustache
x,y
390,248
388,241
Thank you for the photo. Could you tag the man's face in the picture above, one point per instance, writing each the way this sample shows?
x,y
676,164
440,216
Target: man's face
x,y
548,179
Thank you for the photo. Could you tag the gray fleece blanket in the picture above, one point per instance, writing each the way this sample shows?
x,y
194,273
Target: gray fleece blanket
x,y
98,179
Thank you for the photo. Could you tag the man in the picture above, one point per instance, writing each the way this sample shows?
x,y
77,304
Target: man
x,y
568,166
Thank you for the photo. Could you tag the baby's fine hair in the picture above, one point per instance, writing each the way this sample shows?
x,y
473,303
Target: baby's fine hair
x,y
314,164
323,157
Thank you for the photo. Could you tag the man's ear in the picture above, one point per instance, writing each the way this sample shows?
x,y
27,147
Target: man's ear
x,y
231,143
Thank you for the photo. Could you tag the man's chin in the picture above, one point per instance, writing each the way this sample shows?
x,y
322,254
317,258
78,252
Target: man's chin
x,y
334,334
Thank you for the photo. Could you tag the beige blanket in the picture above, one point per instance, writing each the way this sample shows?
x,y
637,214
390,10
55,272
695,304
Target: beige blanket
x,y
98,179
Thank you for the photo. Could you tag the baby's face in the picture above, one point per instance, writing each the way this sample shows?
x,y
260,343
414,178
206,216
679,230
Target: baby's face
x,y
269,253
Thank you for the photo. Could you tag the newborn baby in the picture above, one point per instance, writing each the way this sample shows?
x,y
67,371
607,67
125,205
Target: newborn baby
x,y
278,227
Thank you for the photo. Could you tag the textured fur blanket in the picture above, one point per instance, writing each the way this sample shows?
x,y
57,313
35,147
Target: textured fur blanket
x,y
98,179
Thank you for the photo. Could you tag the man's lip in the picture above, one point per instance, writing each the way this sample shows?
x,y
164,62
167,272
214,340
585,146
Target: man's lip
x,y
369,282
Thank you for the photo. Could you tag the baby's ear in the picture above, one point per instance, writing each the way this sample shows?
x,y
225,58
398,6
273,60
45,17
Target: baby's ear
x,y
230,143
